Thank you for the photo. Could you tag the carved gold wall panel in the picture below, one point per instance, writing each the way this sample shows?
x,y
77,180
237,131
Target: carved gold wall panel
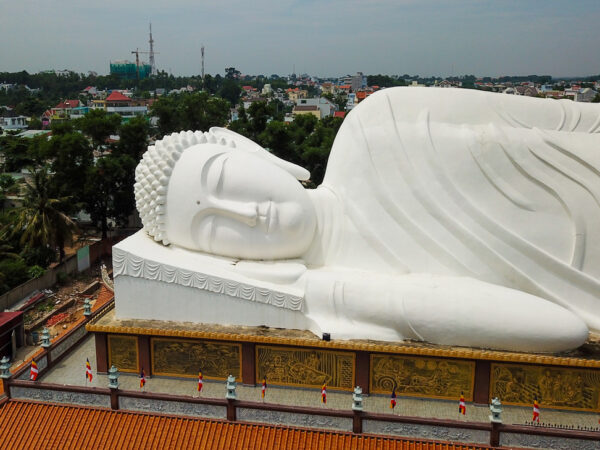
x,y
554,387
305,367
185,358
123,352
422,377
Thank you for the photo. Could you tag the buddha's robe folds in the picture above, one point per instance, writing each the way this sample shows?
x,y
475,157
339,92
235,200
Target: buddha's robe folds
x,y
449,182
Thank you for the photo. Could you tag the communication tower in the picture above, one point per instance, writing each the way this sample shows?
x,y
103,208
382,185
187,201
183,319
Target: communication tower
x,y
152,64
202,53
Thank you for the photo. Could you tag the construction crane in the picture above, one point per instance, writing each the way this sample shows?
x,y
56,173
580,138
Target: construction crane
x,y
137,52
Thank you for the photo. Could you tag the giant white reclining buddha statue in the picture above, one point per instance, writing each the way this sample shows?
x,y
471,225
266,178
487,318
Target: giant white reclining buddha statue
x,y
448,216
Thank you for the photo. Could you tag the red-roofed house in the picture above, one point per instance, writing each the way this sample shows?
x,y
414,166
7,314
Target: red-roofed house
x,y
62,111
341,114
117,99
296,93
90,90
117,103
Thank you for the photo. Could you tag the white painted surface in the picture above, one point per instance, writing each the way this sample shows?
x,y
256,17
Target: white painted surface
x,y
451,216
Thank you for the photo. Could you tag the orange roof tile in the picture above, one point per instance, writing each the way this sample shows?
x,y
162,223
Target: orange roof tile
x,y
28,424
104,296
116,96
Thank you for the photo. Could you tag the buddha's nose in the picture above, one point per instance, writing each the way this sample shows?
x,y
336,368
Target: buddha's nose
x,y
245,212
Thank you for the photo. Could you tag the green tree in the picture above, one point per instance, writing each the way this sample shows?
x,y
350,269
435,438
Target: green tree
x,y
260,113
278,139
133,138
194,111
165,110
71,156
13,272
98,125
230,90
109,190
16,153
200,111
35,124
40,222
7,185
341,100
231,73
241,124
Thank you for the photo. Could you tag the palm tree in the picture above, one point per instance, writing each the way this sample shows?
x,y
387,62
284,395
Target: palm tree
x,y
39,221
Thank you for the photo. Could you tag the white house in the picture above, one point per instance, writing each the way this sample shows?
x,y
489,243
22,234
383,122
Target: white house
x,y
327,107
585,95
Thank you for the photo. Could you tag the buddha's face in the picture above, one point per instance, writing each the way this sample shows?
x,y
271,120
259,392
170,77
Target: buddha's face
x,y
237,204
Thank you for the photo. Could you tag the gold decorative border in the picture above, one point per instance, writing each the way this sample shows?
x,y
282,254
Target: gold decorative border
x,y
259,380
543,406
468,397
179,375
459,353
137,350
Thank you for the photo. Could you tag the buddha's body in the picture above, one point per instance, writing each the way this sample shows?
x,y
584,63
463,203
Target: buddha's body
x,y
447,216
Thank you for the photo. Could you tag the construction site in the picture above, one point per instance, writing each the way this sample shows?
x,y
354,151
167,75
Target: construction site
x,y
137,70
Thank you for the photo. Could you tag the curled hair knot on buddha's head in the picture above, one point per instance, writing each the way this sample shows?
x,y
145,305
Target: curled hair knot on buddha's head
x,y
154,171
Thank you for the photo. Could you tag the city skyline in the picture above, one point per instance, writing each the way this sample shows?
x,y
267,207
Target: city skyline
x,y
327,38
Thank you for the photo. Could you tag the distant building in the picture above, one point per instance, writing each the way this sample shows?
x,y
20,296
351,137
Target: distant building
x,y
351,101
129,71
326,107
296,93
356,82
327,88
267,89
527,91
585,95
247,102
79,112
117,103
90,90
307,109
62,111
11,121
448,84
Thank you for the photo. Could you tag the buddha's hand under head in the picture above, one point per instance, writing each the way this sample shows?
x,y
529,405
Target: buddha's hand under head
x,y
222,194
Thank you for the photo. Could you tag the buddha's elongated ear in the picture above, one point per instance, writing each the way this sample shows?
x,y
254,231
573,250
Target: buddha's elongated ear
x,y
244,144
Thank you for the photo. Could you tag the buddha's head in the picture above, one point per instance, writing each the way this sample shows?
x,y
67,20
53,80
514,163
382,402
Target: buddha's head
x,y
221,193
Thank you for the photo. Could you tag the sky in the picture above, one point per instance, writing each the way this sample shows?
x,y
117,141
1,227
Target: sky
x,y
321,38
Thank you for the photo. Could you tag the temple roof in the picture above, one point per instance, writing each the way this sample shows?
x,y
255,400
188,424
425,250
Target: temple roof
x,y
27,424
116,96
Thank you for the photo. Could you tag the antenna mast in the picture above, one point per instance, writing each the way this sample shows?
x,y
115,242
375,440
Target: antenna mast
x,y
152,65
202,53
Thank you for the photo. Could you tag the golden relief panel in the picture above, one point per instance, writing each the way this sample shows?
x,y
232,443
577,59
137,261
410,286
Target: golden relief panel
x,y
123,352
305,367
423,377
186,358
554,387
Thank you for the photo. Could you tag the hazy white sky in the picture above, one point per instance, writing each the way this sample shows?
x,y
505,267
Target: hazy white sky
x,y
324,37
